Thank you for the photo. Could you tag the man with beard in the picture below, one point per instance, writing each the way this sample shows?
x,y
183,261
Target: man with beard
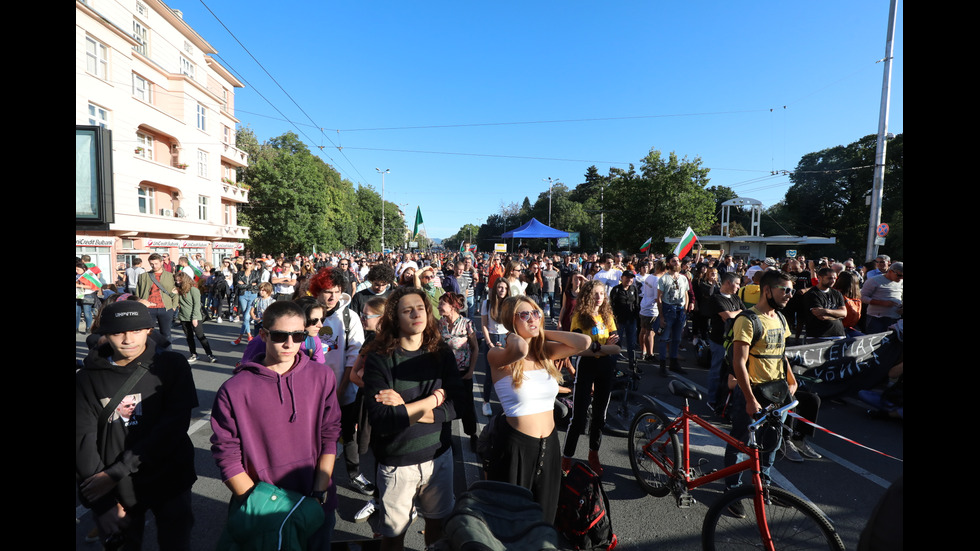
x,y
759,364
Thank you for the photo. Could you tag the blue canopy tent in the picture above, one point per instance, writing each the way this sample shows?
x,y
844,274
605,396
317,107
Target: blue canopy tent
x,y
534,229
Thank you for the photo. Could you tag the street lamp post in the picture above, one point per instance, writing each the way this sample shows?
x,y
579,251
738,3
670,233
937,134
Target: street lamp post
x,y
383,172
551,184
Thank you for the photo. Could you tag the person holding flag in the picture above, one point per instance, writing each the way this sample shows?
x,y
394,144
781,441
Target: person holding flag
x,y
645,247
87,285
672,301
686,244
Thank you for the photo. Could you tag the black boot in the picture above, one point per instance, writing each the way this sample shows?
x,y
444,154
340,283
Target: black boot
x,y
675,366
663,367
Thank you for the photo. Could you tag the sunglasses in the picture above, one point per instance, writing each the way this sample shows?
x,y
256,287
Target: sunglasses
x,y
526,315
280,337
314,321
788,290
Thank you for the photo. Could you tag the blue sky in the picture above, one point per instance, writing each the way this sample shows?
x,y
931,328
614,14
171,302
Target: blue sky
x,y
749,87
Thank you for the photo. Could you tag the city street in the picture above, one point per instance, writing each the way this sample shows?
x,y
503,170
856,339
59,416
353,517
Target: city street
x,y
845,484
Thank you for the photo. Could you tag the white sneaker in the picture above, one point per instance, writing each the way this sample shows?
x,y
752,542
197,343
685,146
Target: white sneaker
x,y
218,319
365,512
487,410
192,358
415,515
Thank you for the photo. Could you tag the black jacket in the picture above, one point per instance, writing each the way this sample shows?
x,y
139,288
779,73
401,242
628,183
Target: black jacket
x,y
151,457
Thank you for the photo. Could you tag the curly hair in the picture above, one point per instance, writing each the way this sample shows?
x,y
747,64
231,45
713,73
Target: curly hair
x,y
586,306
535,347
386,338
381,273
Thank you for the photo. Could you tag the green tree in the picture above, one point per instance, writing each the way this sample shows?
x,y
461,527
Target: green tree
x,y
468,232
829,191
287,208
368,221
665,197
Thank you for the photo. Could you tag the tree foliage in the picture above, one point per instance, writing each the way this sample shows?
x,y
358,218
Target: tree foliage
x,y
829,197
299,203
661,200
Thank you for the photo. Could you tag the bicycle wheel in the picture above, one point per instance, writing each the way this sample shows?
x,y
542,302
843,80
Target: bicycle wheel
x,y
654,476
622,410
794,523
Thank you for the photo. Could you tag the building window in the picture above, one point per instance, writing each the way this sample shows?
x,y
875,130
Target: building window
x,y
228,215
142,10
96,58
186,67
142,35
202,163
202,207
144,146
224,100
226,135
98,116
146,202
202,117
142,89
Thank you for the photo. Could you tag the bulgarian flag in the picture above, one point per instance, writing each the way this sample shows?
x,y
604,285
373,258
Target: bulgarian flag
x,y
462,249
418,220
90,280
646,245
686,243
198,274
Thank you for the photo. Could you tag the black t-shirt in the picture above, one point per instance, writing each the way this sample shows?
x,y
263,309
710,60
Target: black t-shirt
x,y
832,300
721,303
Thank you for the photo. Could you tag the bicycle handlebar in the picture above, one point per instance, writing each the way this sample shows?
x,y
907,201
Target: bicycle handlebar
x,y
773,413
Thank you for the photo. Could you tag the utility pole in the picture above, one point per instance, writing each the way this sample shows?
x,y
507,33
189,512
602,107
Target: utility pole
x,y
877,188
383,172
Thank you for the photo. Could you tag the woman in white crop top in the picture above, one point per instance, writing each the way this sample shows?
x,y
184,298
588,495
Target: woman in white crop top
x,y
525,447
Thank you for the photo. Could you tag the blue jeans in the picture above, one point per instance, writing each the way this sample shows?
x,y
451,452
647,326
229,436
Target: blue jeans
x,y
740,431
675,317
245,302
470,304
165,319
80,308
715,384
488,381
879,324
549,298
627,336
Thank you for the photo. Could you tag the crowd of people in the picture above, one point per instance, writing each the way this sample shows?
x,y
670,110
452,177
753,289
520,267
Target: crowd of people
x,y
398,337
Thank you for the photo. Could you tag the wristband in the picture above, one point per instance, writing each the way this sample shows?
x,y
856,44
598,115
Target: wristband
x,y
596,347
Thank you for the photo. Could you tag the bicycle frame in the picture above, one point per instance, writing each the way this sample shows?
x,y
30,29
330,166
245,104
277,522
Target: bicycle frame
x,y
683,473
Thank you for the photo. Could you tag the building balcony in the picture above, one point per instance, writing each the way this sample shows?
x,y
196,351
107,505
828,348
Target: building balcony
x,y
234,156
234,192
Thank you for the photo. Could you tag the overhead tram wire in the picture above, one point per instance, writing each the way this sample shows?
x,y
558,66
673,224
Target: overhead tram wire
x,y
257,62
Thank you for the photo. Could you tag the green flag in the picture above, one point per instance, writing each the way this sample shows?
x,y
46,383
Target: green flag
x,y
418,220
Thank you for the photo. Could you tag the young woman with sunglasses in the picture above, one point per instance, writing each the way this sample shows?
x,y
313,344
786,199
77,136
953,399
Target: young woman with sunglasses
x,y
247,288
592,317
525,442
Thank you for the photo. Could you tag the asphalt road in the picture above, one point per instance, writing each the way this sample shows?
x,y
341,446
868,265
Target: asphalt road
x,y
845,484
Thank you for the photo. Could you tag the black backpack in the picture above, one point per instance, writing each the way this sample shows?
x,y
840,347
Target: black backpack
x,y
757,331
583,510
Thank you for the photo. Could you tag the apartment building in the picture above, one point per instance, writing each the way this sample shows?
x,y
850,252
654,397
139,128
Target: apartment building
x,y
148,77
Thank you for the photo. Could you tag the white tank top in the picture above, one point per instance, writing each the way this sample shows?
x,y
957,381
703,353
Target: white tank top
x,y
536,395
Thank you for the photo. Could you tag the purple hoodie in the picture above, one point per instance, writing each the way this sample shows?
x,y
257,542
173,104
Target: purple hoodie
x,y
275,427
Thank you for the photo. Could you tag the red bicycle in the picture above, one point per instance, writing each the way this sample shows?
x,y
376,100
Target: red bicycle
x,y
774,518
